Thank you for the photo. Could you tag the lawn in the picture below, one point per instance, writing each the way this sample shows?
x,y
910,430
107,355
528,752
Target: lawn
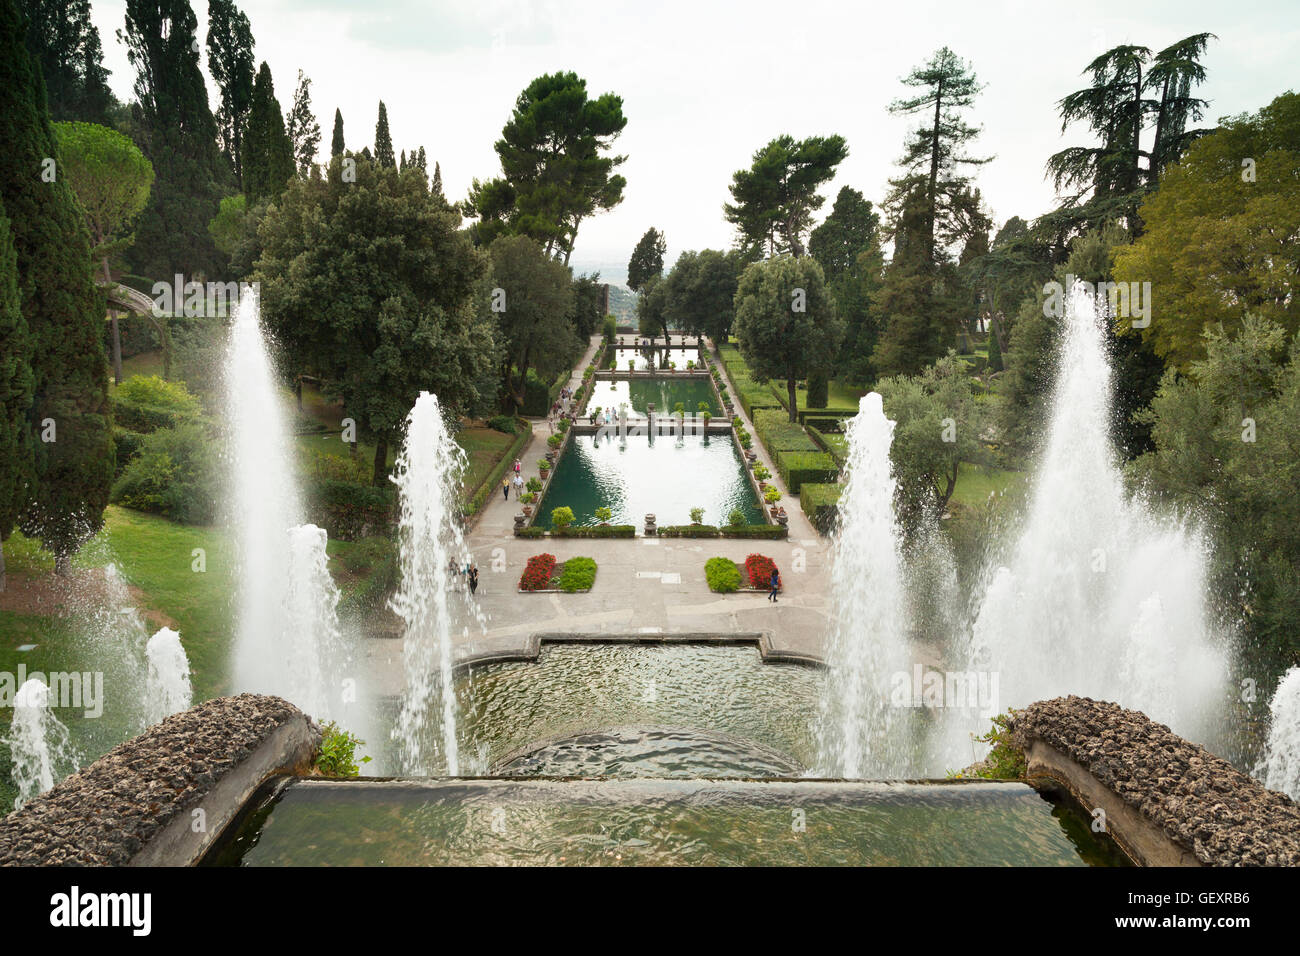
x,y
976,482
840,395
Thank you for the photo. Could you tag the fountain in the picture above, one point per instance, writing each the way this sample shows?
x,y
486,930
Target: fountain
x,y
168,688
288,640
867,646
40,749
427,476
1280,768
1100,597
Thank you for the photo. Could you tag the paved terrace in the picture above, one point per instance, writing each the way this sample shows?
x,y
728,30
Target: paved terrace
x,y
651,586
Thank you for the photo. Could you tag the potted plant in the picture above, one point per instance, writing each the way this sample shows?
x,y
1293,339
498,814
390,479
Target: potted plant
x,y
697,516
603,514
705,411
772,496
543,466
561,518
554,441
528,497
631,365
533,485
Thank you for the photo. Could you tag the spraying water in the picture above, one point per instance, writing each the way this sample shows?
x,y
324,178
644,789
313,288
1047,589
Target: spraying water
x,y
427,476
868,644
288,640
1100,598
1280,769
40,749
168,685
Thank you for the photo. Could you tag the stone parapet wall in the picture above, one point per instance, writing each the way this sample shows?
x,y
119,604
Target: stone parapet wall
x,y
161,798
1167,801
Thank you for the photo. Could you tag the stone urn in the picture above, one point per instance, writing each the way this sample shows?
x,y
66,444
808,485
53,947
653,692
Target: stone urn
x,y
528,511
649,524
782,518
519,521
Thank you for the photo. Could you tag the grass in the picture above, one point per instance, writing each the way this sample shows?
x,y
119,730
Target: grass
x,y
145,363
976,482
839,396
483,449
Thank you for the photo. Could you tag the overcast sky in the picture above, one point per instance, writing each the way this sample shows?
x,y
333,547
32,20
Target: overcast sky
x,y
704,84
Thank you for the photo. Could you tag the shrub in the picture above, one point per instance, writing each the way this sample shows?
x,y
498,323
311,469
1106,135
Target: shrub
x,y
126,444
697,515
339,467
543,464
155,392
735,518
796,467
772,495
722,574
530,532
604,513
338,752
757,531
820,502
534,484
347,510
561,517
537,573
555,441
576,574
597,531
507,424
761,473
611,329
174,473
759,568
819,390
688,531
1005,761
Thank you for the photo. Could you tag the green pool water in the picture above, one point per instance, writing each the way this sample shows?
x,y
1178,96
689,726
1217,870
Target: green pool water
x,y
664,393
650,474
499,822
661,357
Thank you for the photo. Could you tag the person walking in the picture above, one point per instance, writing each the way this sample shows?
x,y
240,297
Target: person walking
x,y
473,578
505,488
519,485
776,584
518,466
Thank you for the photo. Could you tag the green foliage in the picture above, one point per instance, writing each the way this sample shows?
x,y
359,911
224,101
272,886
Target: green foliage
x,y
174,473
778,433
595,531
687,531
267,150
820,503
66,50
755,531
647,260
230,63
536,328
772,495
775,199
338,752
561,517
347,510
796,467
697,515
611,329
58,352
604,514
155,392
371,285
576,574
110,177
15,389
735,517
1006,761
786,322
722,574
506,424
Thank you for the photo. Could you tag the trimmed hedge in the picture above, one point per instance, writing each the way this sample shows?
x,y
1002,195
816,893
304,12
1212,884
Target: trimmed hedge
x,y
146,418
595,531
576,574
530,532
779,434
493,479
348,511
756,531
820,502
796,467
687,531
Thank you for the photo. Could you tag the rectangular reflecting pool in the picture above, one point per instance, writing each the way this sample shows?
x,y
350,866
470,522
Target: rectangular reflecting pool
x,y
655,357
663,393
662,475
547,822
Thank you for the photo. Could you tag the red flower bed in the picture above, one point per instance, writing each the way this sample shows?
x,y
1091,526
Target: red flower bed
x,y
537,573
759,568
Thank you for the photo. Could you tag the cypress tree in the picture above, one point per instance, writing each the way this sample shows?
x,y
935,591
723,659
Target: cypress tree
x,y
336,143
230,61
437,180
178,134
15,394
65,48
383,141
268,151
68,422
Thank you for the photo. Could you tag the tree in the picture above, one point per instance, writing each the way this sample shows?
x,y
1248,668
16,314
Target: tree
x,y
934,154
850,228
588,294
535,325
436,184
230,61
371,285
786,322
847,245
178,134
336,140
15,395
774,200
647,258
938,426
384,140
302,128
111,179
65,47
652,308
1219,240
555,171
69,416
1109,177
268,152
700,293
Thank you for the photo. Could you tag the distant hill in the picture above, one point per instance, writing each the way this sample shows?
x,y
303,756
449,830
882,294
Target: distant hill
x,y
622,303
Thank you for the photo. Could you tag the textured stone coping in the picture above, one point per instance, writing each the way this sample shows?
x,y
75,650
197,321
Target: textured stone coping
x,y
532,646
1167,801
162,797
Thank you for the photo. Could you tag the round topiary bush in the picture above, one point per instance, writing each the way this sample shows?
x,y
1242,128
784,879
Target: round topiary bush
x,y
722,574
